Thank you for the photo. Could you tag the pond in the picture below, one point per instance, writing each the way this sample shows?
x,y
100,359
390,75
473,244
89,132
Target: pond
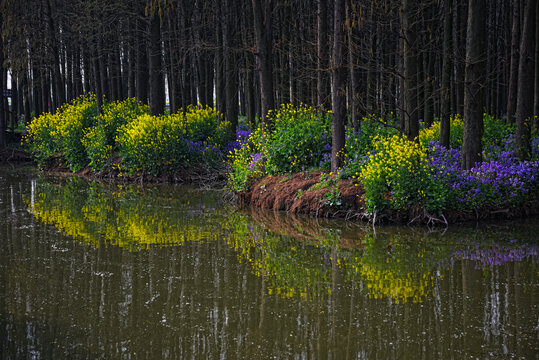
x,y
172,272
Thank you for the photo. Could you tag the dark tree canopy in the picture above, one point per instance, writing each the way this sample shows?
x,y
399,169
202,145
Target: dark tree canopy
x,y
403,60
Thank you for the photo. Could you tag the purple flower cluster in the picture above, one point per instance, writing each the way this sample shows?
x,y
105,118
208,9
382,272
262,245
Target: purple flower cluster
x,y
256,157
500,181
242,134
197,147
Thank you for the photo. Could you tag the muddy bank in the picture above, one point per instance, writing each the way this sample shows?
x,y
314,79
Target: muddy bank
x,y
301,193
192,175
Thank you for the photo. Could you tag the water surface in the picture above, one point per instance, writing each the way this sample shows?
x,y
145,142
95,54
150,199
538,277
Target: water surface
x,y
171,272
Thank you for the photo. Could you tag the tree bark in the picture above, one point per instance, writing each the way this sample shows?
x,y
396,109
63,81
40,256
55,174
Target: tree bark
x,y
231,75
157,85
322,80
142,63
445,125
474,84
339,87
526,77
513,69
411,123
262,14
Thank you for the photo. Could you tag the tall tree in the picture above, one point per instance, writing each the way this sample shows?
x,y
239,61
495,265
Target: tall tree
x,y
474,84
526,78
157,85
322,80
262,14
409,21
446,76
2,112
339,86
513,69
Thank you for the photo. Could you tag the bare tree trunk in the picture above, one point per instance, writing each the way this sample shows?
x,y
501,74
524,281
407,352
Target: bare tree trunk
x,y
157,86
322,83
339,87
411,122
3,139
474,84
536,100
142,63
262,10
513,70
445,125
526,77
231,75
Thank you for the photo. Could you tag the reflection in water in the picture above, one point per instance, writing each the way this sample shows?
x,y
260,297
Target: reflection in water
x,y
249,285
124,216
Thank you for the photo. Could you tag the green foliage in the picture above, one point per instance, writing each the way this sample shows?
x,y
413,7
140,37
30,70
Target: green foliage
x,y
359,145
158,143
299,140
432,133
99,141
398,175
63,132
247,162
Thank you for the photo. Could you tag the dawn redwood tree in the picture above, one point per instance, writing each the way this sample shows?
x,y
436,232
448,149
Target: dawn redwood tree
x,y
526,77
446,76
262,15
339,86
157,85
474,84
322,80
513,68
2,112
409,25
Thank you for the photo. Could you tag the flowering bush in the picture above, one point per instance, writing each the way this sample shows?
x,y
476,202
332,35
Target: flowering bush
x,y
497,182
247,160
300,138
432,133
63,132
156,143
99,141
358,146
398,175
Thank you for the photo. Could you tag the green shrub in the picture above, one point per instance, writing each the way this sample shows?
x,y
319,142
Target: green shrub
x,y
300,138
63,132
99,141
398,175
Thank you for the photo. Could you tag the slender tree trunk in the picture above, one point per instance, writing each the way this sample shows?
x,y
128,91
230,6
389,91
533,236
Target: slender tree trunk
x,y
157,86
231,75
14,101
411,123
339,87
262,10
142,63
27,95
220,64
445,125
513,70
77,77
474,84
3,138
526,77
322,82
536,99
